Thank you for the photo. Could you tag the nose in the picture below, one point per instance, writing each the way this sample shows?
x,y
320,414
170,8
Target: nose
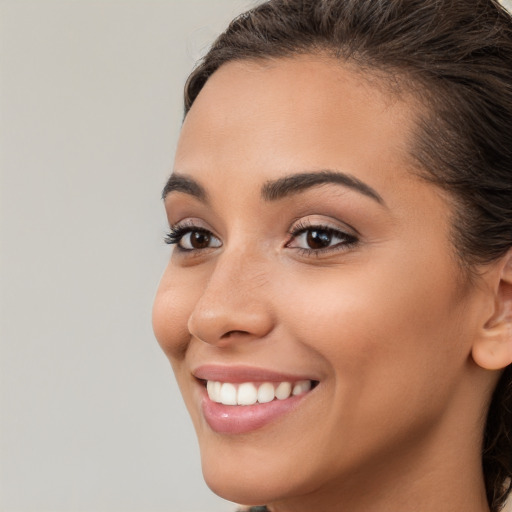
x,y
235,303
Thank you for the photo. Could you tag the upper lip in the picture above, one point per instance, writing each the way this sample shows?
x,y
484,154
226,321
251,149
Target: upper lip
x,y
241,373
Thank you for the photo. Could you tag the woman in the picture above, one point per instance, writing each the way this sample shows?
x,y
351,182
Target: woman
x,y
338,305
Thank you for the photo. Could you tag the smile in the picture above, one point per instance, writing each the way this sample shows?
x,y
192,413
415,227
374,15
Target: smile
x,y
241,399
249,393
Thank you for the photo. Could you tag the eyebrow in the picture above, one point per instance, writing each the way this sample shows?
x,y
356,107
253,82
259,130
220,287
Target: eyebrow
x,y
280,188
186,184
296,183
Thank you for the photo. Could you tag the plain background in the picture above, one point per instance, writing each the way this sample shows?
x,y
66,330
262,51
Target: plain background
x,y
90,109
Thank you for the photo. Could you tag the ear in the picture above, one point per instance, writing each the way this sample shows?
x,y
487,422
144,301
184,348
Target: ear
x,y
493,348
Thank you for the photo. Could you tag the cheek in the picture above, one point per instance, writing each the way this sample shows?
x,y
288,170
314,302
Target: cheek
x,y
381,328
383,341
173,304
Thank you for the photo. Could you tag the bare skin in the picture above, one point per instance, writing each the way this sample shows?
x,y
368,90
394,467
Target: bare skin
x,y
353,284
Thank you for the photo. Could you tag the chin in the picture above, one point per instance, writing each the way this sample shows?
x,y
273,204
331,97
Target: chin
x,y
244,479
238,492
245,489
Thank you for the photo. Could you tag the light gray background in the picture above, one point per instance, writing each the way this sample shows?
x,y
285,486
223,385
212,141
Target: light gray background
x,y
90,108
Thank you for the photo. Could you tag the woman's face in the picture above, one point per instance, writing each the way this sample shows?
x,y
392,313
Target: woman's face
x,y
309,255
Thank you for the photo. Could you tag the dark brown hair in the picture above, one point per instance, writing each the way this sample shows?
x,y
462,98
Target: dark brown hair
x,y
455,56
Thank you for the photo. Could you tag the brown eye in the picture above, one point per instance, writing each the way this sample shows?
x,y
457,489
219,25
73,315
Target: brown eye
x,y
199,240
318,239
192,239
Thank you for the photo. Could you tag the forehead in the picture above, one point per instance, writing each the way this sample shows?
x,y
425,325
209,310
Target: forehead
x,y
294,111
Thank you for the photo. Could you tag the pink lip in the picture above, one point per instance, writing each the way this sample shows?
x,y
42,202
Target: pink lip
x,y
239,419
239,373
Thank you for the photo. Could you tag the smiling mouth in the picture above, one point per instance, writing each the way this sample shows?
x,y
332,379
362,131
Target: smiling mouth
x,y
251,393
241,399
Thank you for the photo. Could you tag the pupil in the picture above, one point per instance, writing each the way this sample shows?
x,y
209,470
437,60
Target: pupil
x,y
319,239
199,240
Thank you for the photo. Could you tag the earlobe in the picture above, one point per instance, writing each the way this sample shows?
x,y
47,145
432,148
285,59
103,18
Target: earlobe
x,y
492,353
493,348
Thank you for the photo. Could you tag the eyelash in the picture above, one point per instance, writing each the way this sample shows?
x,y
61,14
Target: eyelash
x,y
304,226
177,233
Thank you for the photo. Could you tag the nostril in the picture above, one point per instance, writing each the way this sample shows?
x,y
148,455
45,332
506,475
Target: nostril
x,y
229,334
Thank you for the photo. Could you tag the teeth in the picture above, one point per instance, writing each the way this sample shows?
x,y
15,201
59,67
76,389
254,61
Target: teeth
x,y
266,393
248,393
283,390
228,394
301,387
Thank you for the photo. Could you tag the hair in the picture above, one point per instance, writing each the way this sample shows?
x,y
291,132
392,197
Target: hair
x,y
455,56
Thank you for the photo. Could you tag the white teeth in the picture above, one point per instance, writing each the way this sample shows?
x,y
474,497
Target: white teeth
x,y
283,390
248,393
213,389
301,387
265,393
228,394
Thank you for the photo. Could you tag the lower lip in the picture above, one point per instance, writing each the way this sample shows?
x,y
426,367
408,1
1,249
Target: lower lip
x,y
239,419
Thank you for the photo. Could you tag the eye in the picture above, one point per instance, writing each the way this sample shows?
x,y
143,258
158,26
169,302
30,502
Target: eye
x,y
315,239
192,238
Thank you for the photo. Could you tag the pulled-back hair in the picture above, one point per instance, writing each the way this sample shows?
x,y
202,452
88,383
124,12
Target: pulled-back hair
x,y
455,56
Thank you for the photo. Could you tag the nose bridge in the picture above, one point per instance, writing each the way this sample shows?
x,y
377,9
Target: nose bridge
x,y
235,301
241,269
